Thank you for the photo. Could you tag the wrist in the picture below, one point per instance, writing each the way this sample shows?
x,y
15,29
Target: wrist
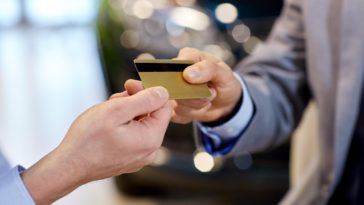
x,y
229,114
51,178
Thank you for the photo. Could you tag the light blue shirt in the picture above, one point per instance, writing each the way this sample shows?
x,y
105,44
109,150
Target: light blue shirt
x,y
231,130
12,188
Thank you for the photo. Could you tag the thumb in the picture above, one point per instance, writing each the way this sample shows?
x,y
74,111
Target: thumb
x,y
143,102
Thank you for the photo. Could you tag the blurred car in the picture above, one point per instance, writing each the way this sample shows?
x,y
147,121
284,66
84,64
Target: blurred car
x,y
148,29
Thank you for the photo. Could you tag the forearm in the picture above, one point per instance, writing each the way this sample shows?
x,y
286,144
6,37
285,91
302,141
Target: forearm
x,y
52,177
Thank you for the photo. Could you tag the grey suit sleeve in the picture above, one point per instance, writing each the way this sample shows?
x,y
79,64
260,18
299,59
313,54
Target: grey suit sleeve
x,y
276,78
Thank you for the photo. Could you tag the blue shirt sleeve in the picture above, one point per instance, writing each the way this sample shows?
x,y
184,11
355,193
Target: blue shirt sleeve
x,y
12,189
220,140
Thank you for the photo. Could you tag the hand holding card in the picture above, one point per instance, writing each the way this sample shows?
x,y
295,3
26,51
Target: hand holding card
x,y
168,73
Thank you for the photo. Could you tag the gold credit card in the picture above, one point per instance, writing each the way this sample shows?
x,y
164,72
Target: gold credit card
x,y
168,73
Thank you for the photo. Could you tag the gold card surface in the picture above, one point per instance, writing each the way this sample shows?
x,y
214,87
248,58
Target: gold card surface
x,y
168,73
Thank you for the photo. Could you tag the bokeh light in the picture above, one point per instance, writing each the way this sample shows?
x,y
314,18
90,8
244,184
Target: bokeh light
x,y
180,41
243,162
162,157
160,4
226,13
154,27
143,9
122,6
174,29
145,56
186,2
241,33
190,18
203,162
130,39
215,50
251,44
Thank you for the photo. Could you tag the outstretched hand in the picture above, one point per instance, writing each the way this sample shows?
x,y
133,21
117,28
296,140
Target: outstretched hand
x,y
225,88
115,137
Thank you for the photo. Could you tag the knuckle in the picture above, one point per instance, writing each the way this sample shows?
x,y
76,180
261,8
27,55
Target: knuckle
x,y
223,65
208,64
207,68
117,105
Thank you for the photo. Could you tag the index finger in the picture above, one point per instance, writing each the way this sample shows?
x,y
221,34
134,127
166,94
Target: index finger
x,y
133,86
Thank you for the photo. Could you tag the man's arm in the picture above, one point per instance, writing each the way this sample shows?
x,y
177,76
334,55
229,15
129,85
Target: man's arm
x,y
118,136
276,79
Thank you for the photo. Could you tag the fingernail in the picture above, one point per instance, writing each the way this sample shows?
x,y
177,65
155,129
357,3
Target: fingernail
x,y
193,72
162,92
